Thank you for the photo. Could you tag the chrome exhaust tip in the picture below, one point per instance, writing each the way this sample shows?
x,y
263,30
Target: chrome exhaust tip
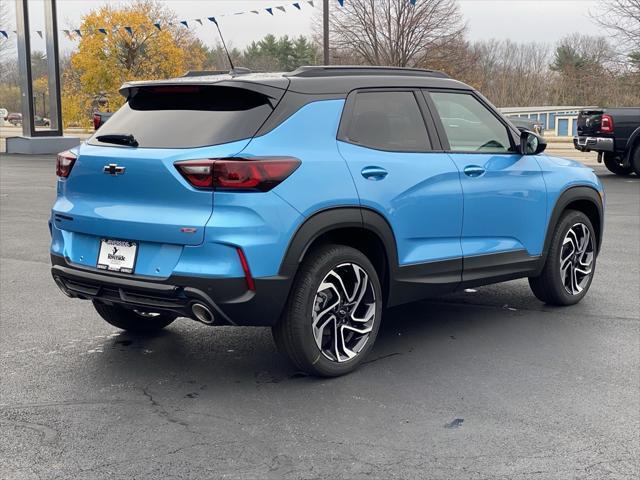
x,y
203,314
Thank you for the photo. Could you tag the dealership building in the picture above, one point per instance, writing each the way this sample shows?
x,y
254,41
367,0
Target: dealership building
x,y
560,121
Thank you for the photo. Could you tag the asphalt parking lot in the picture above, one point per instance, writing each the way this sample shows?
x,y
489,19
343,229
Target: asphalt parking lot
x,y
489,384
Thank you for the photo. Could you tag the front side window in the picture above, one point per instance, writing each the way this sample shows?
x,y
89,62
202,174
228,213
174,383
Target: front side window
x,y
469,125
388,121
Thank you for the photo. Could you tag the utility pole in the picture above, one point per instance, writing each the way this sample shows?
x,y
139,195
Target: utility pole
x,y
325,30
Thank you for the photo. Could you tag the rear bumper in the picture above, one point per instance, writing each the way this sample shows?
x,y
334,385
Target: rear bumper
x,y
598,144
228,298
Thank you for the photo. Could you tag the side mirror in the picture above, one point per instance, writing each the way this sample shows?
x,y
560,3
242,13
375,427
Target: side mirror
x,y
531,144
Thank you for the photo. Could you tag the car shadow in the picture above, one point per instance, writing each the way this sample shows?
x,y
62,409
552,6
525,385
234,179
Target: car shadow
x,y
195,357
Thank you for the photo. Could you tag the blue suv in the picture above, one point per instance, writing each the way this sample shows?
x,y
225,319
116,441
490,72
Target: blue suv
x,y
309,202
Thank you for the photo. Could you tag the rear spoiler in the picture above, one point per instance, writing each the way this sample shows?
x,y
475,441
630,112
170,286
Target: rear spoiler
x,y
273,87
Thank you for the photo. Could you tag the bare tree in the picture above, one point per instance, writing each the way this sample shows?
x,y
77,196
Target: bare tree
x,y
622,18
6,44
509,73
394,32
583,70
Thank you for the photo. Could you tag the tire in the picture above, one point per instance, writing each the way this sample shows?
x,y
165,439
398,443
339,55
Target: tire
x,y
574,245
613,164
131,320
635,159
330,288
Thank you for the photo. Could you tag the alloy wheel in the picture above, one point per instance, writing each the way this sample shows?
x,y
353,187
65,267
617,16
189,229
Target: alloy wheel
x,y
344,312
576,259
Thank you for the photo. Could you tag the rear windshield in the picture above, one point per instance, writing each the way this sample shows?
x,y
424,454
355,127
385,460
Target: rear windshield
x,y
188,116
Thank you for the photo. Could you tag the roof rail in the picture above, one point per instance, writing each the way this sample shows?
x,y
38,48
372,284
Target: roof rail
x,y
353,70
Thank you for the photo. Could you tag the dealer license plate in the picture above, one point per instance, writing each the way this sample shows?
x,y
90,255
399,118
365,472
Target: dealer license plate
x,y
117,255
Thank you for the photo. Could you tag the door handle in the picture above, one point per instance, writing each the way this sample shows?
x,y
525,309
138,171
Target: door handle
x,y
474,171
374,173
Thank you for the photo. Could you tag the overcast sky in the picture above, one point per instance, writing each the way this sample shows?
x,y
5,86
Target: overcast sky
x,y
518,20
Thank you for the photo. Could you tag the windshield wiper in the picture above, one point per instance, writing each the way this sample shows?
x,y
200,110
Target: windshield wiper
x,y
119,139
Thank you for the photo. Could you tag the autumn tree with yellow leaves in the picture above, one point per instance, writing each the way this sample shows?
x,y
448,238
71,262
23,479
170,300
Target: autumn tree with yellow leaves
x,y
104,61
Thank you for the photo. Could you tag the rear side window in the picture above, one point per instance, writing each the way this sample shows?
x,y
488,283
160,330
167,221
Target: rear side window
x,y
387,121
188,116
469,125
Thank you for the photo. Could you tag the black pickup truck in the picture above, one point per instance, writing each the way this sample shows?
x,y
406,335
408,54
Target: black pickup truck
x,y
615,134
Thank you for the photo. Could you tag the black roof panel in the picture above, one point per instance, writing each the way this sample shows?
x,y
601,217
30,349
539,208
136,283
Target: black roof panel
x,y
319,80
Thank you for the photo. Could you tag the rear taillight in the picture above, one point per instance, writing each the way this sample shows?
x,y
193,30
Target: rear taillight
x,y
606,123
96,121
64,163
250,174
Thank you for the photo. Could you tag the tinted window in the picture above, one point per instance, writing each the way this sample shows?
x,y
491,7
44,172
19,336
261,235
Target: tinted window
x,y
388,121
188,116
469,125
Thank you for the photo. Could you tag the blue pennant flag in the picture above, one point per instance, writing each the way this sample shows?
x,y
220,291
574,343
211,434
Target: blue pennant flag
x,y
297,5
78,32
103,30
213,19
341,2
129,30
4,34
412,2
184,22
157,25
270,10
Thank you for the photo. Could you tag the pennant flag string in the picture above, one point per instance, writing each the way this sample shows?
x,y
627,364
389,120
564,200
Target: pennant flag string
x,y
129,29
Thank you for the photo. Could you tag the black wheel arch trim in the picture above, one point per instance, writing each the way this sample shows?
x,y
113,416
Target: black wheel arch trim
x,y
632,143
335,218
567,197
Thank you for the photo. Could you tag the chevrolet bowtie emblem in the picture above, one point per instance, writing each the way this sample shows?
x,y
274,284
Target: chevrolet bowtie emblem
x,y
113,169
